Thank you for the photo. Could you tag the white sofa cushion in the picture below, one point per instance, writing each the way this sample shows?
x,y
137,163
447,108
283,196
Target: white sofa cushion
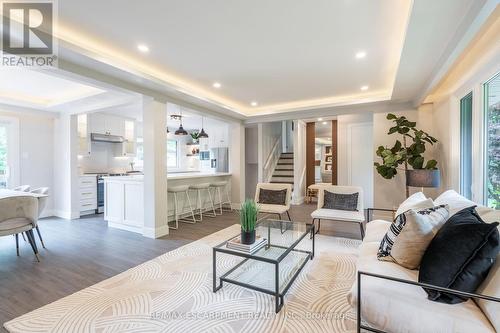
x,y
411,202
455,201
338,215
491,287
396,307
375,230
272,209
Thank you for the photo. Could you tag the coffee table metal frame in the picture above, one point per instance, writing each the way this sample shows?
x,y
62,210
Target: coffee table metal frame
x,y
279,296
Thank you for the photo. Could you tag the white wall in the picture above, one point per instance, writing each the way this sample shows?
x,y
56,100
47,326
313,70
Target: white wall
x,y
36,150
65,167
237,162
299,161
479,63
355,156
251,161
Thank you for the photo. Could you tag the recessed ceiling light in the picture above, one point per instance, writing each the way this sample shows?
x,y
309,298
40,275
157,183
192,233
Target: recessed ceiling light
x,y
254,103
143,48
216,85
360,54
364,88
324,123
320,119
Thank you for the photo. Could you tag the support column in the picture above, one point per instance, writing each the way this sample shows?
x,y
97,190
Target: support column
x,y
155,170
237,163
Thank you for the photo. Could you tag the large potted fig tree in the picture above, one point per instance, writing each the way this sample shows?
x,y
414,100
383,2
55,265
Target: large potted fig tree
x,y
408,153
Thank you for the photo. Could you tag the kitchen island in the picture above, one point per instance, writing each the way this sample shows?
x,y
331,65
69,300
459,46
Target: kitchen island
x,y
124,197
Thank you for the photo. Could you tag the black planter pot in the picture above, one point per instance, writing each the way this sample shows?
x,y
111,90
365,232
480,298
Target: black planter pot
x,y
247,237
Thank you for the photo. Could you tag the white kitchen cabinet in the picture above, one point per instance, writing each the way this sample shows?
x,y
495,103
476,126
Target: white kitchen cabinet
x,y
130,137
83,135
88,194
124,204
106,124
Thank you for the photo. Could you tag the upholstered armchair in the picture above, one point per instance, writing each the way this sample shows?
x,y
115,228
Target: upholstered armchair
x,y
276,202
19,214
42,203
351,216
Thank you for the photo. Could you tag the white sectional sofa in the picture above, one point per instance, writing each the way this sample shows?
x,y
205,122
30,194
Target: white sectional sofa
x,y
392,306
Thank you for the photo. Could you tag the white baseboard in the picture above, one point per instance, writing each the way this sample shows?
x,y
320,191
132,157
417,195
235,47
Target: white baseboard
x,y
47,213
155,232
122,226
66,214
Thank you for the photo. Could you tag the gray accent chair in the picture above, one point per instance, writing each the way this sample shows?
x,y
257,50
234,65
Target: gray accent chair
x,y
19,215
42,203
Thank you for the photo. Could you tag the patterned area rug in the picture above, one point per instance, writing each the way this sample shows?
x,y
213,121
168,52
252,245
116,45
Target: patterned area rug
x,y
173,293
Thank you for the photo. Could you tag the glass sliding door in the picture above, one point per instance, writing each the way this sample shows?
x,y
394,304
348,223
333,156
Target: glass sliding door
x,y
466,146
492,113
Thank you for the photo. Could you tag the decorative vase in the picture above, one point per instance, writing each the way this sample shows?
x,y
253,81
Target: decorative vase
x,y
247,237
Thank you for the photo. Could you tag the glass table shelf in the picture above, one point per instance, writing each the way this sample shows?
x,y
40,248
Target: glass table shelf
x,y
274,267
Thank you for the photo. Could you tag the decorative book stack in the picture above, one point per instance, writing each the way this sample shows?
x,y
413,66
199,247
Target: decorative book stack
x,y
235,244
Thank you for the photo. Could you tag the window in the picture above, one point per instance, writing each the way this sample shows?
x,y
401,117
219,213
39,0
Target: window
x,y
3,156
466,146
172,154
492,113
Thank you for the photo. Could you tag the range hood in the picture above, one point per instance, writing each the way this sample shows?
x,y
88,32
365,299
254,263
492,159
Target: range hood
x,y
96,137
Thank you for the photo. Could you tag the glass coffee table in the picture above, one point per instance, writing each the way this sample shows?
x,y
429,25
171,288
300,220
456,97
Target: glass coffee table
x,y
271,269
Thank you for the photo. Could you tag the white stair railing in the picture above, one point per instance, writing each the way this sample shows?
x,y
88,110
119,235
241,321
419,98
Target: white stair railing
x,y
272,161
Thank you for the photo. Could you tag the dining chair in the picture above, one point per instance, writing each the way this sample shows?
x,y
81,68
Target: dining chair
x,y
19,215
22,188
42,203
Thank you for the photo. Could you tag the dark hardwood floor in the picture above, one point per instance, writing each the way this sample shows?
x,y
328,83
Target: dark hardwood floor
x,y
83,252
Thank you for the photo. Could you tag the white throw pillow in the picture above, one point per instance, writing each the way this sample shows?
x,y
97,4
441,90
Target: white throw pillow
x,y
411,202
455,201
410,235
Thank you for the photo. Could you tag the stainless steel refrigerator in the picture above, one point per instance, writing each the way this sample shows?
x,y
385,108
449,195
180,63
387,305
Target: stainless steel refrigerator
x,y
219,159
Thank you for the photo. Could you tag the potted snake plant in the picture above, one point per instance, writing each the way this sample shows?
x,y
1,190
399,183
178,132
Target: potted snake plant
x,y
248,221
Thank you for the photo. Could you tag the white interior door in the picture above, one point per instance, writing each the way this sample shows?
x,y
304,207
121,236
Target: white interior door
x,y
360,159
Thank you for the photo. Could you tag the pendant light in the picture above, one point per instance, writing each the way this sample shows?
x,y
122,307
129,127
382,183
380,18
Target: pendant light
x,y
181,130
202,134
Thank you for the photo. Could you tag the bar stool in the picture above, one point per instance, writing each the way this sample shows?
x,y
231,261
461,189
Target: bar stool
x,y
217,191
198,188
178,190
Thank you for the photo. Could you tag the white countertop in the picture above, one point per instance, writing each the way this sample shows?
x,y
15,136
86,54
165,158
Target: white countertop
x,y
179,175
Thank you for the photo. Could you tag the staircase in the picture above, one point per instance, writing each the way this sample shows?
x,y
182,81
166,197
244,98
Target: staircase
x,y
283,173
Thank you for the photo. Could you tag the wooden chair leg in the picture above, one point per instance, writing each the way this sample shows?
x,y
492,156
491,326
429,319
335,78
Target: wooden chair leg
x,y
289,218
40,236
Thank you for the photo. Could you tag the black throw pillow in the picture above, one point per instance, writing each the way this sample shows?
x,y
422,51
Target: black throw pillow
x,y
460,256
272,197
341,201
